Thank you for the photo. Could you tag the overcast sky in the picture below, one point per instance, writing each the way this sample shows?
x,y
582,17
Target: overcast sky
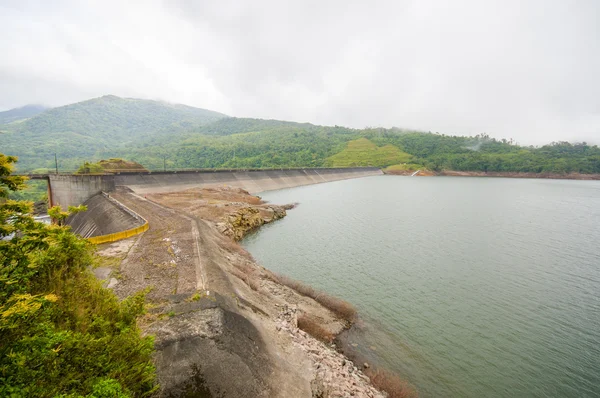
x,y
526,69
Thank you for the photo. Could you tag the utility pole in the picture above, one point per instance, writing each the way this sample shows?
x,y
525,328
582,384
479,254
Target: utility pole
x,y
56,162
164,163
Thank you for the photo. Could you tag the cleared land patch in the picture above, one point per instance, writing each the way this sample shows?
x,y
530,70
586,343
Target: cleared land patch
x,y
362,152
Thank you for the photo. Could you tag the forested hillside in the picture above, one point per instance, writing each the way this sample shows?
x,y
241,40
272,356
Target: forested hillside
x,y
17,114
159,135
92,128
362,152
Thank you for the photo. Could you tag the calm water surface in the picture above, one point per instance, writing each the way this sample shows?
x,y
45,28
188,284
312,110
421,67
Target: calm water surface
x,y
470,287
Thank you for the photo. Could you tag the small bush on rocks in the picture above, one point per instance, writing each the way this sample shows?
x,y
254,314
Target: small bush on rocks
x,y
313,328
393,385
342,308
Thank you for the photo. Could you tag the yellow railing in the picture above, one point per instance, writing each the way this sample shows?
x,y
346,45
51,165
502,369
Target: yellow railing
x,y
119,235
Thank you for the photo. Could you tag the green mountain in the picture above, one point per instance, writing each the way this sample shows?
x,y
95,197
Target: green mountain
x,y
96,126
157,134
18,114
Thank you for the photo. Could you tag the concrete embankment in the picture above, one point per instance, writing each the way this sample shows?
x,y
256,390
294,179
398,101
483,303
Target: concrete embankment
x,y
73,190
104,216
253,181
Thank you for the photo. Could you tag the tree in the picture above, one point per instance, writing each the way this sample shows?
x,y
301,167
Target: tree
x,y
90,168
61,333
9,182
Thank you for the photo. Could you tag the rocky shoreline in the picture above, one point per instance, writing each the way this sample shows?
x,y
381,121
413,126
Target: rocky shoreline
x,y
224,325
336,375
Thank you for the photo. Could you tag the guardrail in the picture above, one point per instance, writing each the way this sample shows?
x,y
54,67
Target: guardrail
x,y
119,235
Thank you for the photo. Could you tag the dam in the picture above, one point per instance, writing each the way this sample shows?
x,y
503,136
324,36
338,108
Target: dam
x,y
73,189
221,322
109,219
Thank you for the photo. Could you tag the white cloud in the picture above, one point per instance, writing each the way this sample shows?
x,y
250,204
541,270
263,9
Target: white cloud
x,y
526,70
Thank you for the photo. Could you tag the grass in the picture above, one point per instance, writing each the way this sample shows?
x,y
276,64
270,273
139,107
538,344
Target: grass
x,y
341,308
362,152
405,167
230,245
248,279
113,262
312,327
392,384
197,296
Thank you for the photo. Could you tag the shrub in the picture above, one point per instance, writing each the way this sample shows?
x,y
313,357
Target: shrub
x,y
61,333
313,328
392,384
249,279
341,308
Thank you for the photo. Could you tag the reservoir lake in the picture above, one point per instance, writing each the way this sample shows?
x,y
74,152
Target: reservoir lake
x,y
466,287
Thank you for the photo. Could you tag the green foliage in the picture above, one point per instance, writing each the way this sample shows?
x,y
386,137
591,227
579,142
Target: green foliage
x,y
59,216
19,114
8,182
90,168
93,129
159,135
362,152
405,167
61,333
482,153
35,190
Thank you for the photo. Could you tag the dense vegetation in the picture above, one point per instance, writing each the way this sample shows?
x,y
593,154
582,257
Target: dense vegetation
x,y
17,114
96,127
61,333
34,190
159,135
362,152
112,165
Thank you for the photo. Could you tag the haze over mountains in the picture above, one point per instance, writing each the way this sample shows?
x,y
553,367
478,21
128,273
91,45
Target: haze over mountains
x,y
25,112
158,134
99,125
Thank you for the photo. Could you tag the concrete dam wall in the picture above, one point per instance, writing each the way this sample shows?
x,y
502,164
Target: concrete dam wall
x,y
253,181
73,190
104,216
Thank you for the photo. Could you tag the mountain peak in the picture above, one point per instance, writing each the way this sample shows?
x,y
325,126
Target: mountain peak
x,y
22,113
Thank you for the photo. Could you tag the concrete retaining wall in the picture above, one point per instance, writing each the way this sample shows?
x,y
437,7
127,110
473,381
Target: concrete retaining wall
x,y
73,190
253,181
105,217
107,220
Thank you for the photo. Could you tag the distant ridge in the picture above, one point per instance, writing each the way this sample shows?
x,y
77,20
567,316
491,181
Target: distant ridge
x,y
94,127
111,114
164,136
24,112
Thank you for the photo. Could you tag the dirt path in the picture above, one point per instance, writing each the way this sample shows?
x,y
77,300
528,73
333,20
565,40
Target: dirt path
x,y
166,257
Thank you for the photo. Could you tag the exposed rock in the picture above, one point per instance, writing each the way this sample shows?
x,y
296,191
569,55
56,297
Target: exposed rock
x,y
223,327
200,343
234,211
249,218
334,375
